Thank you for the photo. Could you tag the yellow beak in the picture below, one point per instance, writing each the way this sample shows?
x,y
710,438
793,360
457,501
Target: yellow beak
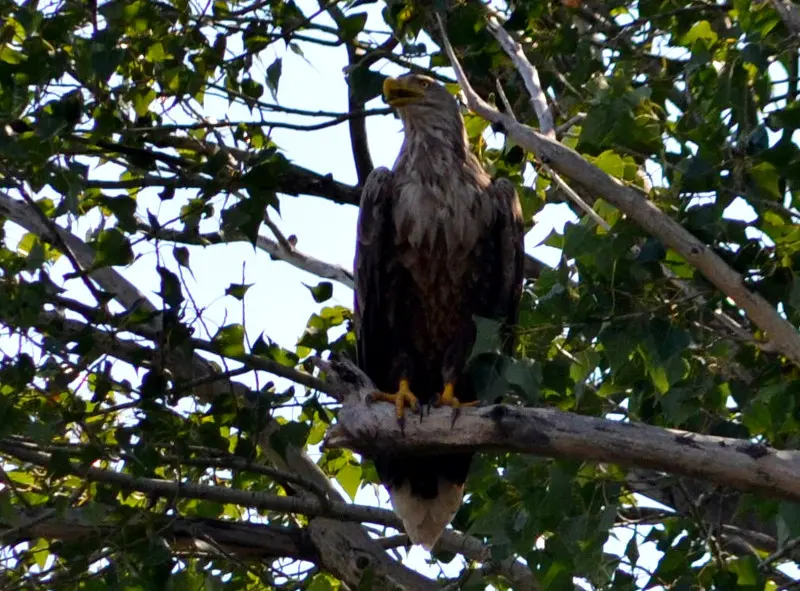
x,y
398,92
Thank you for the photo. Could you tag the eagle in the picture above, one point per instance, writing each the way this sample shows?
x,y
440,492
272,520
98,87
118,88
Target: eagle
x,y
438,243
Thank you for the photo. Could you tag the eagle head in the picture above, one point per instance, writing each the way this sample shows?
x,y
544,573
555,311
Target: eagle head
x,y
419,98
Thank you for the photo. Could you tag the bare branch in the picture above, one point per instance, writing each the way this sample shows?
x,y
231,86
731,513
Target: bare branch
x,y
633,203
334,119
305,262
577,199
549,432
280,251
529,75
570,123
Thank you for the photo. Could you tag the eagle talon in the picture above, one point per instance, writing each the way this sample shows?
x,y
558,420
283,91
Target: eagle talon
x,y
448,398
402,399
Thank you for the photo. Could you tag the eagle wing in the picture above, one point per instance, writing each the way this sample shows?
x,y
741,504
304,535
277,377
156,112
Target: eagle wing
x,y
372,309
501,279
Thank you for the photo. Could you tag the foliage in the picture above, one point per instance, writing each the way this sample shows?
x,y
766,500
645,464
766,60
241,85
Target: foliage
x,y
103,131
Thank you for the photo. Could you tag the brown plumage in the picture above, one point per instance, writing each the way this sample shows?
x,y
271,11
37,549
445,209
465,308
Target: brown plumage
x,y
438,243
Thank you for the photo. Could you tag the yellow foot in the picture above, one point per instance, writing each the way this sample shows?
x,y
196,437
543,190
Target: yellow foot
x,y
402,399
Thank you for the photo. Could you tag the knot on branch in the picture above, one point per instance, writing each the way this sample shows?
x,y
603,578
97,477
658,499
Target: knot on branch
x,y
346,382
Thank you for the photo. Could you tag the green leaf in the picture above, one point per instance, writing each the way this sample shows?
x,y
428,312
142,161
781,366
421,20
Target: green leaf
x,y
274,76
142,99
366,84
488,338
349,477
524,376
611,163
785,118
788,521
747,572
274,351
238,290
229,340
700,31
351,26
289,434
111,248
181,255
11,56
766,179
170,287
156,53
246,216
321,292
124,208
255,90
320,582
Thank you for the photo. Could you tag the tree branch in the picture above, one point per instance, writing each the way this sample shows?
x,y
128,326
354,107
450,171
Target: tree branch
x,y
125,292
289,255
192,535
528,73
311,507
789,13
635,205
549,432
331,532
333,119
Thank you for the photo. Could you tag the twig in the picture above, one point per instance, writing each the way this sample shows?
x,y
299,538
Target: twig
x,y
569,124
294,257
780,553
285,245
335,119
585,207
236,463
503,98
577,199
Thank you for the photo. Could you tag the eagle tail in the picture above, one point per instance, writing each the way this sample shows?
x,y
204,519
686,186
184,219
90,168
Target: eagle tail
x,y
425,519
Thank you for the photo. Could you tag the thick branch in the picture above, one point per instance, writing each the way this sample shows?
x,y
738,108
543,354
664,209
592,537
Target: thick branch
x,y
635,205
548,432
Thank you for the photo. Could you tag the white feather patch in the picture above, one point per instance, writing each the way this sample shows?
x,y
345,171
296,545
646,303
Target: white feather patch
x,y
426,519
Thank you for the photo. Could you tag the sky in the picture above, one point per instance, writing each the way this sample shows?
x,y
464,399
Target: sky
x,y
279,304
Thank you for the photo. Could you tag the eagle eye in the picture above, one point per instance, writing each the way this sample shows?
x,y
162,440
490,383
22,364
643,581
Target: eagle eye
x,y
424,84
